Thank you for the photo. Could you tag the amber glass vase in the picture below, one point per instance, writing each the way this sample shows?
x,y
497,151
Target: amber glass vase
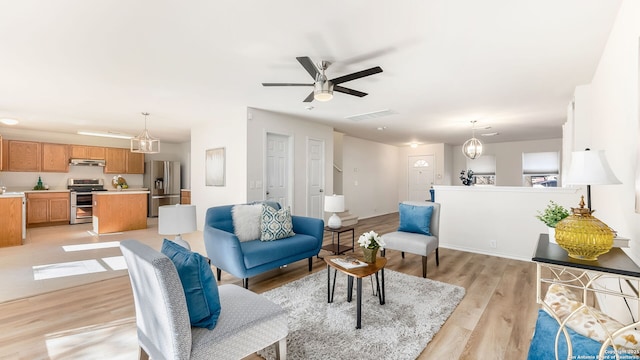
x,y
583,235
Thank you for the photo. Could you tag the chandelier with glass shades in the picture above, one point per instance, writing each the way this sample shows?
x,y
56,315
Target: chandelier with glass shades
x,y
145,143
472,148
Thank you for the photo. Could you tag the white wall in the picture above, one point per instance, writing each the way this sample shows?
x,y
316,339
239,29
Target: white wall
x,y
508,158
300,131
370,177
472,217
612,124
226,128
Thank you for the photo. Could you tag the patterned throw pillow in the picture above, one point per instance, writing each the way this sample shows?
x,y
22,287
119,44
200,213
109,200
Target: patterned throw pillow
x,y
588,321
275,224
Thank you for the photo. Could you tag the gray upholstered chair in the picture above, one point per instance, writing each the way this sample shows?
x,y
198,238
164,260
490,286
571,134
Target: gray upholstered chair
x,y
416,243
248,322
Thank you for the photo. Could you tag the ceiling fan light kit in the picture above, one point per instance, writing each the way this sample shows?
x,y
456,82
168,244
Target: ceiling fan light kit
x,y
472,148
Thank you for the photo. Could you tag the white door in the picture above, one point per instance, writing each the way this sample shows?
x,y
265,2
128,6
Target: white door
x,y
421,174
315,178
277,169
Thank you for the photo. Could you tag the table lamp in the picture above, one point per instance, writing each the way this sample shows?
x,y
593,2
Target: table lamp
x,y
590,168
334,204
177,220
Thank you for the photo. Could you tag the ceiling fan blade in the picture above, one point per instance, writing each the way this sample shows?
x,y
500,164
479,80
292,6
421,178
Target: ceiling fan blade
x,y
357,75
345,90
308,65
285,84
308,98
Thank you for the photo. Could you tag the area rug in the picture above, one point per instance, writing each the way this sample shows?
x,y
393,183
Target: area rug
x,y
414,311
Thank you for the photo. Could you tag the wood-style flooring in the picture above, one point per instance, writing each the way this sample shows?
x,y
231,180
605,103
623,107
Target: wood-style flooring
x,y
495,320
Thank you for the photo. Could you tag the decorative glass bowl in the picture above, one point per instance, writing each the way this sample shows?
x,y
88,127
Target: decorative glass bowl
x,y
584,236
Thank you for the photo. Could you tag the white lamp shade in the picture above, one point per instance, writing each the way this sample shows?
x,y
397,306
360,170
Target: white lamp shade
x,y
334,203
590,168
177,219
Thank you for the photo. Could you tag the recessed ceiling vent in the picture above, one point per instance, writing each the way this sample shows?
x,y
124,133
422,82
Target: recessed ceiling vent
x,y
371,115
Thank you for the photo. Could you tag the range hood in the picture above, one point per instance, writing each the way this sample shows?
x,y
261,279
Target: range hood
x,y
86,162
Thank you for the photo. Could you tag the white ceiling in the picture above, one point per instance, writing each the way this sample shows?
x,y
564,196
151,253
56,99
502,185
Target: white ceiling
x,y
512,65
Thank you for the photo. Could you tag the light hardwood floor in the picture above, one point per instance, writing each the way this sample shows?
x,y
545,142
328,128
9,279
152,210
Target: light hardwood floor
x,y
495,320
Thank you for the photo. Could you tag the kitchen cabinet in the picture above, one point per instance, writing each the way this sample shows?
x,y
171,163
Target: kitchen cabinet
x,y
2,153
88,152
23,155
116,161
55,157
10,221
135,163
185,197
48,208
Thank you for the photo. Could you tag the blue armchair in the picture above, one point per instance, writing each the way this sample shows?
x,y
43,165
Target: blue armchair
x,y
250,258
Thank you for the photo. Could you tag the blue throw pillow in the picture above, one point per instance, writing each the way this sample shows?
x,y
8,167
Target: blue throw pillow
x,y
200,287
543,345
415,219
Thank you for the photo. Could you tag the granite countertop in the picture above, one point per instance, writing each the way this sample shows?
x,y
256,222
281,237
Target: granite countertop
x,y
46,191
128,189
121,192
12,194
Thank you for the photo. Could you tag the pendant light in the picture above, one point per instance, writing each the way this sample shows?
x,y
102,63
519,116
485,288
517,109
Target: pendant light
x,y
472,148
145,143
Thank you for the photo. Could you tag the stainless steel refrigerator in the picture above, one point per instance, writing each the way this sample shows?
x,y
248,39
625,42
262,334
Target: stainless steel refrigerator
x,y
162,178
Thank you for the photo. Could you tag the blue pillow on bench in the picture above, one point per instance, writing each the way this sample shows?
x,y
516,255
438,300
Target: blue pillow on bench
x,y
200,287
415,219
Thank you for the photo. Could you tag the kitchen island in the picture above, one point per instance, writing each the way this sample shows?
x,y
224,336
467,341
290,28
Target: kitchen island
x,y
115,211
12,221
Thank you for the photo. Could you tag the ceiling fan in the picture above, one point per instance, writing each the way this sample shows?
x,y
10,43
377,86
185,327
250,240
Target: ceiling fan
x,y
322,88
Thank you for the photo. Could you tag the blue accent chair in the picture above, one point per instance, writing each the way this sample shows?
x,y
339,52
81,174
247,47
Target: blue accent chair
x,y
250,258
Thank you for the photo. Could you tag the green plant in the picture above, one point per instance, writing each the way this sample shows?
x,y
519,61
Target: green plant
x,y
552,214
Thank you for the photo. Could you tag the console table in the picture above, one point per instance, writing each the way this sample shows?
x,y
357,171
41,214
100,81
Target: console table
x,y
554,266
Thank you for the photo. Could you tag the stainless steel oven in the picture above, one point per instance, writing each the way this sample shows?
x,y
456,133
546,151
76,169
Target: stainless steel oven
x,y
82,199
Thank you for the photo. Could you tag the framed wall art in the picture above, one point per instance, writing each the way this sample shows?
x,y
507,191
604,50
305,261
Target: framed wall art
x,y
215,167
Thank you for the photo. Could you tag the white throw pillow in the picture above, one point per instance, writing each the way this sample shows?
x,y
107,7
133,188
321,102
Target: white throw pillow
x,y
246,221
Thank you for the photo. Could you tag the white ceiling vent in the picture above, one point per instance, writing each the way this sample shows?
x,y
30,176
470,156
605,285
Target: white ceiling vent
x,y
371,115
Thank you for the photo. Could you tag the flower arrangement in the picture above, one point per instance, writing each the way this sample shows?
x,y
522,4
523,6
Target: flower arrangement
x,y
552,214
371,240
467,180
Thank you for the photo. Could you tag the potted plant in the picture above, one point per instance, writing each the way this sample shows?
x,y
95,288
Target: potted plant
x,y
551,215
370,243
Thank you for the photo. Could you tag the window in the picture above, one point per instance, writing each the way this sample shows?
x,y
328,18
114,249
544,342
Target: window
x,y
484,170
540,169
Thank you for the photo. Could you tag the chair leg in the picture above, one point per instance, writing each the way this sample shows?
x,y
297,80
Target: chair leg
x,y
310,263
281,349
383,252
219,272
245,283
424,266
143,354
402,254
437,258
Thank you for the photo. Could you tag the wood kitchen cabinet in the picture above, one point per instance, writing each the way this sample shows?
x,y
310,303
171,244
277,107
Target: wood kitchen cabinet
x,y
135,163
185,197
48,208
55,157
2,153
88,152
23,155
10,221
116,161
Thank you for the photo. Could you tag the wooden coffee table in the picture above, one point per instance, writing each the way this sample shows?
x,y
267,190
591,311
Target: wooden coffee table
x,y
357,273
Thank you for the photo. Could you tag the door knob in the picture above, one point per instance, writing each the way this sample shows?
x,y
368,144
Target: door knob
x,y
267,193
321,190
